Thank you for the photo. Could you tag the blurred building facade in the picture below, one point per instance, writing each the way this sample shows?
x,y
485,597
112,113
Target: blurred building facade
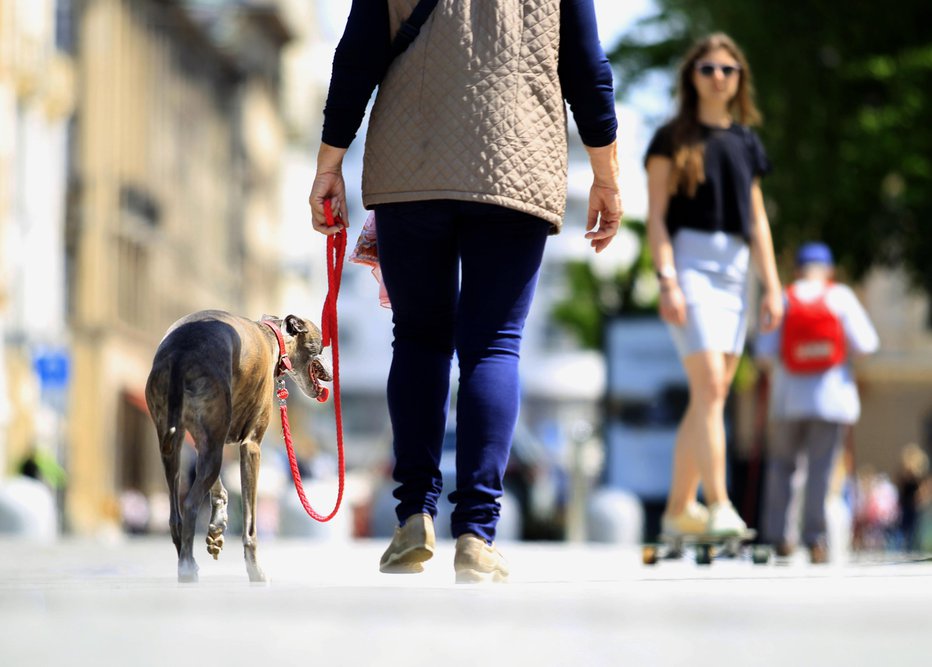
x,y
37,95
895,383
158,196
173,207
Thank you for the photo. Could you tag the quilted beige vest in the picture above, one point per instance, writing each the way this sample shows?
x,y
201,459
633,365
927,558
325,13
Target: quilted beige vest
x,y
473,110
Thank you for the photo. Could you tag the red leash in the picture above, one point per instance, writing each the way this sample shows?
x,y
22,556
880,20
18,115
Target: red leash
x,y
336,249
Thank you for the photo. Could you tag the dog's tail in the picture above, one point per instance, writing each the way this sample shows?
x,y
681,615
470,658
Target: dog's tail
x,y
173,409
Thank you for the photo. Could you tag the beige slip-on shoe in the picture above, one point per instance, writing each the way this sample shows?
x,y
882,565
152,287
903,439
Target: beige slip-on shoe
x,y
412,544
477,562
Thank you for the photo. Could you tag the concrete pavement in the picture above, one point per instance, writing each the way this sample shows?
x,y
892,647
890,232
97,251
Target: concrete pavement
x,y
80,602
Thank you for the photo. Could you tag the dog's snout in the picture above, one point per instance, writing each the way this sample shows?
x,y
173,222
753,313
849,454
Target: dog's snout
x,y
319,370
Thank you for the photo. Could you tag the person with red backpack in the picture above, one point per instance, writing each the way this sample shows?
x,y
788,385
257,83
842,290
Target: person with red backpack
x,y
814,397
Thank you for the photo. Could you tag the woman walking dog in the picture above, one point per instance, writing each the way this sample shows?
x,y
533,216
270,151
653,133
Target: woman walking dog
x,y
465,167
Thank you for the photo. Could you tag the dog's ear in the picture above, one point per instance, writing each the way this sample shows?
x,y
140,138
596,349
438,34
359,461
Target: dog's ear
x,y
295,325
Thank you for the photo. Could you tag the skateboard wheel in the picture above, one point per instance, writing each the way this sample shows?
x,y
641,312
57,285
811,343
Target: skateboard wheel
x,y
731,548
649,555
676,549
760,554
704,554
674,554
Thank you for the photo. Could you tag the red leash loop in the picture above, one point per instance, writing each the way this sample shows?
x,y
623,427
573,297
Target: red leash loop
x,y
336,249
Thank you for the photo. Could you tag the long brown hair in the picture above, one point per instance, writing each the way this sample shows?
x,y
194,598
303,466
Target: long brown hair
x,y
686,133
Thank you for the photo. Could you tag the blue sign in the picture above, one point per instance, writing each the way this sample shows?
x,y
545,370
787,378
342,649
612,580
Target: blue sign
x,y
53,366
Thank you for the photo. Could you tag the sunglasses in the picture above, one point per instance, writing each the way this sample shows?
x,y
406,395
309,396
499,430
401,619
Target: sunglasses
x,y
708,69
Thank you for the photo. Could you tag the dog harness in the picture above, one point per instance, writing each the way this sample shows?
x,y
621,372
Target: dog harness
x,y
284,363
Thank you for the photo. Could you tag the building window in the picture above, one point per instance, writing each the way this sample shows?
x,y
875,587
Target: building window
x,y
139,217
131,288
140,205
64,25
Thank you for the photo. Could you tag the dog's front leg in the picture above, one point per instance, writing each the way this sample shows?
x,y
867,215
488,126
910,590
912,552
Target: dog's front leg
x,y
218,518
249,457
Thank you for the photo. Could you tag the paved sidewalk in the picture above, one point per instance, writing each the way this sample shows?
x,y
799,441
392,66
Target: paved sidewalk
x,y
89,603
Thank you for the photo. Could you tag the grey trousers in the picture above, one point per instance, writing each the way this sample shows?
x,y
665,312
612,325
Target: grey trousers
x,y
819,441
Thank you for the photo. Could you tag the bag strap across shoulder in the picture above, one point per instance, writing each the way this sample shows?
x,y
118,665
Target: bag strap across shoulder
x,y
411,28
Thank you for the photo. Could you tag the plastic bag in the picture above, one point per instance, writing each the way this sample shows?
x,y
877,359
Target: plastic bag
x,y
366,252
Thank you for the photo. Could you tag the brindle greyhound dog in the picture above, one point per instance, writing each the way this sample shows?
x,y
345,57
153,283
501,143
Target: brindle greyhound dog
x,y
214,376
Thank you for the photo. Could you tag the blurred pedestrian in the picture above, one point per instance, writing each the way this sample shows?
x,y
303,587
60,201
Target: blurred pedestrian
x,y
39,464
912,471
876,510
706,223
465,167
134,511
923,532
814,397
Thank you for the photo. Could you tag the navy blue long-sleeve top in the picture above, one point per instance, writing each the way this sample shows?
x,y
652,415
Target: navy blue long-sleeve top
x,y
364,53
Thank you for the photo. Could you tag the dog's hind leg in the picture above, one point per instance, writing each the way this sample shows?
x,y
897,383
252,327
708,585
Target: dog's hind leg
x,y
207,472
249,457
165,397
218,518
170,446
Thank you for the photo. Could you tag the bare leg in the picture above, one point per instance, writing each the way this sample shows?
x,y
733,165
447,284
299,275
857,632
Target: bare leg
x,y
249,457
700,443
218,518
685,480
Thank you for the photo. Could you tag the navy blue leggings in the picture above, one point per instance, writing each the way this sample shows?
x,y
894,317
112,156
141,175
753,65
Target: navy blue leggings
x,y
423,247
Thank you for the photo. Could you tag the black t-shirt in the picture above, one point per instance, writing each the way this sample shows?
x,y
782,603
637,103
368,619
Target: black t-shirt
x,y
734,157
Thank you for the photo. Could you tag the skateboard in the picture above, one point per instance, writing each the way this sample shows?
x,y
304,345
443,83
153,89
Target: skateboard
x,y
706,547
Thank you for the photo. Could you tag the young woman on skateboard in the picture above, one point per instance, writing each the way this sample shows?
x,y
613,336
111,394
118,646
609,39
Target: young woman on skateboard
x,y
706,224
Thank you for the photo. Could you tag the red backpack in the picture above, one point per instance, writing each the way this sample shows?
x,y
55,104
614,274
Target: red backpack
x,y
813,336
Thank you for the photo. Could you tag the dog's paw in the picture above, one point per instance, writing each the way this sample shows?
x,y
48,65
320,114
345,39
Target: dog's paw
x,y
257,575
214,545
187,573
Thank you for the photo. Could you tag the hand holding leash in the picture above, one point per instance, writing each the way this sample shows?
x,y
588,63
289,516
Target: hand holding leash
x,y
336,249
329,189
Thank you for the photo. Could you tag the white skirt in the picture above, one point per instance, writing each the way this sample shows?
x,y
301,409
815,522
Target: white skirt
x,y
712,270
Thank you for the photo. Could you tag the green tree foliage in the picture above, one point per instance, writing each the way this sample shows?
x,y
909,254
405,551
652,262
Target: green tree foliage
x,y
846,93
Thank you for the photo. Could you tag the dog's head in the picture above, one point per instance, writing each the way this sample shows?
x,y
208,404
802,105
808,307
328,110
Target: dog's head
x,y
303,344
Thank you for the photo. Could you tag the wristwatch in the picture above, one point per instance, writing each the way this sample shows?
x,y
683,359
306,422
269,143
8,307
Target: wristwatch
x,y
667,272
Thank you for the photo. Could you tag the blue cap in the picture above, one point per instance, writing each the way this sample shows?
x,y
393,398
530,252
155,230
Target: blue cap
x,y
814,252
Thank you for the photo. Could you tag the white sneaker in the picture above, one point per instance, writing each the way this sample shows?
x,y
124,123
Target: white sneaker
x,y
692,521
724,521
